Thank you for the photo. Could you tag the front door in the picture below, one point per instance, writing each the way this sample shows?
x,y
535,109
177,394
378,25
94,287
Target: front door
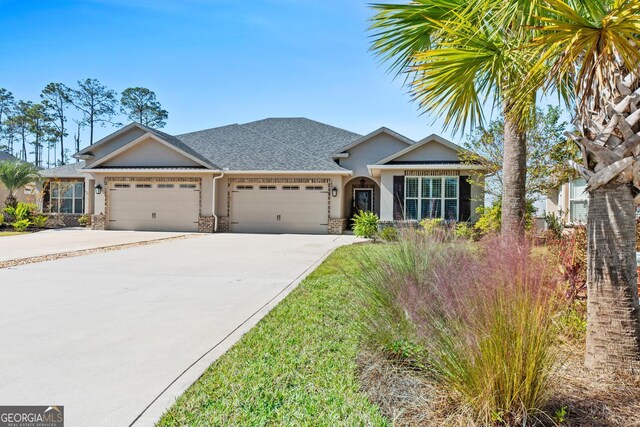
x,y
362,200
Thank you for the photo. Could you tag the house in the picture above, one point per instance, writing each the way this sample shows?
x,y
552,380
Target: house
x,y
277,175
27,194
569,202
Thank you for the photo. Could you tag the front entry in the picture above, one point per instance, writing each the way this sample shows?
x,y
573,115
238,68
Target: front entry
x,y
362,199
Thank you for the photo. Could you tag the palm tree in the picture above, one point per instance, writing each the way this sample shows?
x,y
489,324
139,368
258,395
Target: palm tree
x,y
594,45
16,174
459,55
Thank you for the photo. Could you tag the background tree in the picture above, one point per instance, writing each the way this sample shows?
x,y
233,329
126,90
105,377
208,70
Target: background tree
x,y
19,121
592,49
39,126
96,102
6,106
56,98
14,175
547,152
458,54
140,105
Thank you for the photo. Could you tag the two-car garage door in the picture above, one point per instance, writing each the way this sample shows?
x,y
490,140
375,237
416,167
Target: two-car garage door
x,y
279,208
154,206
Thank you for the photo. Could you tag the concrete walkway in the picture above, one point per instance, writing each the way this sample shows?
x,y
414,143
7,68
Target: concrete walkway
x,y
50,242
115,337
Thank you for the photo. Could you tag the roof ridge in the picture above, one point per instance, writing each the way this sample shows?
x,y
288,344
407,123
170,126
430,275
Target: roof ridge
x,y
208,129
290,146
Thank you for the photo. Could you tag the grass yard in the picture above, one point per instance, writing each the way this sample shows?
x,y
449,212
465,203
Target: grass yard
x,y
296,367
10,233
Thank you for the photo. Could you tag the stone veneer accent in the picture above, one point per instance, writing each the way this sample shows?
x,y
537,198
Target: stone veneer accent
x,y
205,224
98,222
337,225
223,224
62,220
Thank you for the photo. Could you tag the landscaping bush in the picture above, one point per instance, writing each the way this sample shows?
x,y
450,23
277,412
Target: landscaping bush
x,y
490,219
388,234
555,227
432,225
84,220
39,221
465,231
569,252
475,319
21,225
365,224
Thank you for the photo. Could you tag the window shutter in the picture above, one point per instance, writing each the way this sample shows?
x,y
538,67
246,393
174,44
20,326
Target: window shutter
x,y
465,198
398,197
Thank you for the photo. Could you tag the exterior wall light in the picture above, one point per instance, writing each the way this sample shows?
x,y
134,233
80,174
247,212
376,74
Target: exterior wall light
x,y
98,189
334,191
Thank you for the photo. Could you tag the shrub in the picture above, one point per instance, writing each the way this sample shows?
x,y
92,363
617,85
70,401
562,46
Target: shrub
x,y
21,211
388,234
570,253
477,319
365,224
464,230
39,221
21,225
554,225
432,225
83,220
490,219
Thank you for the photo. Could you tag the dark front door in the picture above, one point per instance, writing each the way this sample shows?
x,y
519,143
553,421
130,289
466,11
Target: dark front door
x,y
362,200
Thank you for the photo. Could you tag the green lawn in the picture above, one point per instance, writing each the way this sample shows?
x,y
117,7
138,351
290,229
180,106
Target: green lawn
x,y
295,368
10,233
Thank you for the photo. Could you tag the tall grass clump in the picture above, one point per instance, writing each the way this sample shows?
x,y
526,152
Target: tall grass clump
x,y
476,318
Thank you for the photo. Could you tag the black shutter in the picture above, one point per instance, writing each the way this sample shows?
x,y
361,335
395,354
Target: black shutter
x,y
465,199
398,197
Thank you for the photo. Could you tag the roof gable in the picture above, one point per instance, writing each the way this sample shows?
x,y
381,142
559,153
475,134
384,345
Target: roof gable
x,y
370,136
432,148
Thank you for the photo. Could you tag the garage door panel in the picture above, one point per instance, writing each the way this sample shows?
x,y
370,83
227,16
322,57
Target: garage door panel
x,y
140,207
280,210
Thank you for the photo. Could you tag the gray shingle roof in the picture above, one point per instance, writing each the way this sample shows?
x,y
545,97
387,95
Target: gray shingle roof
x,y
7,156
70,170
271,144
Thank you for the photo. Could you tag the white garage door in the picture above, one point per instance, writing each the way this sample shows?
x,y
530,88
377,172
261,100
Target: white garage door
x,y
154,206
279,208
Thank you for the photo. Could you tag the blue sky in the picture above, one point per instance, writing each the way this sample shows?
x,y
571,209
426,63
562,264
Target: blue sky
x,y
213,62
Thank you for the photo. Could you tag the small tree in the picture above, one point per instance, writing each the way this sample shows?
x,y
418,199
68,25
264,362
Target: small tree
x,y
140,105
6,106
14,175
56,100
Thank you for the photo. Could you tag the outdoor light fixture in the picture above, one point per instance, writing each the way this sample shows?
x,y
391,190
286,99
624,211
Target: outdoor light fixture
x,y
334,191
362,181
98,189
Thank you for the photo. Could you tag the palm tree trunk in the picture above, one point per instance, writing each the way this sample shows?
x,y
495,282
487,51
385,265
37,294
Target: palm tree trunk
x,y
514,169
613,313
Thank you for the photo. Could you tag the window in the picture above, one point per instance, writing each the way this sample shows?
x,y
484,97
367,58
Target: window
x,y
267,187
290,187
66,197
431,197
143,185
121,185
244,187
314,187
165,185
187,186
578,199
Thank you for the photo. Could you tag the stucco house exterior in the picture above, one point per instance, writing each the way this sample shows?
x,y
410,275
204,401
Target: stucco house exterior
x,y
569,202
277,175
28,193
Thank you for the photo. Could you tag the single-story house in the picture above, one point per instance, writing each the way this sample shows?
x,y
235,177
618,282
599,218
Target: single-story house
x,y
277,175
27,194
569,202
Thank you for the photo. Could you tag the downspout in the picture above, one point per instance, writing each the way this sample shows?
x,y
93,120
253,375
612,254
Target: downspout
x,y
213,208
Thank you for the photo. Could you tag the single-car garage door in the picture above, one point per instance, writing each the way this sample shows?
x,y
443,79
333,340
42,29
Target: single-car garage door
x,y
154,206
279,208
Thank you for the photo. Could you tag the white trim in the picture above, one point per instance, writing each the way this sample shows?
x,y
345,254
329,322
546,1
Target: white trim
x,y
140,140
442,197
150,170
367,137
289,172
110,137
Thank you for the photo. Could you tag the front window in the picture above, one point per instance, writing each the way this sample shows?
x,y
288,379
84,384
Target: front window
x,y
431,197
578,199
66,197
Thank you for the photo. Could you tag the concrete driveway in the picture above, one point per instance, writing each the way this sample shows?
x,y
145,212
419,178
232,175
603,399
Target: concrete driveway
x,y
51,242
115,337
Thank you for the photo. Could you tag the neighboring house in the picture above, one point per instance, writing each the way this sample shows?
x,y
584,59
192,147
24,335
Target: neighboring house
x,y
27,194
569,202
279,175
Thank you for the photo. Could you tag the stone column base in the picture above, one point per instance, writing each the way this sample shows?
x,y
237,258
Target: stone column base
x,y
337,225
98,222
205,224
223,224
